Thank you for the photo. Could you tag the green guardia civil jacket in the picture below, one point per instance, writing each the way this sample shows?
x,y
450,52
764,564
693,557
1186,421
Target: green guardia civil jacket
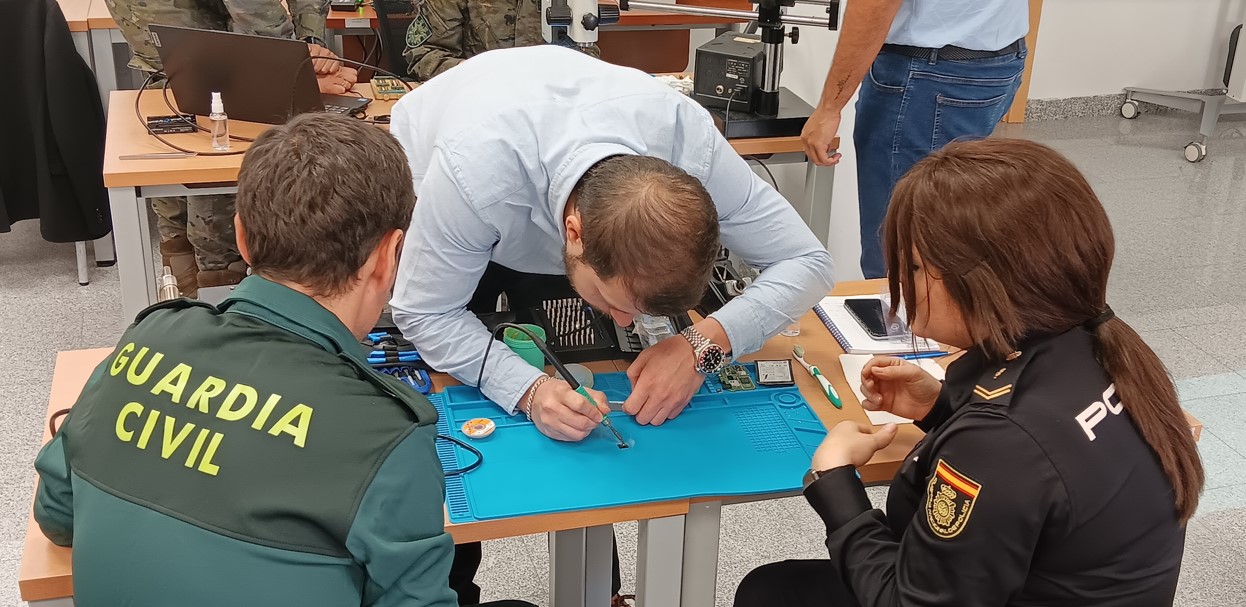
x,y
247,455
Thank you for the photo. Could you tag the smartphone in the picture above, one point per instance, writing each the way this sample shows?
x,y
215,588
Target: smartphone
x,y
869,314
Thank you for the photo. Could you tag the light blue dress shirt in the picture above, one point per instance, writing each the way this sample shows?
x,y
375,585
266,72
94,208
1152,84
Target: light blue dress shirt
x,y
980,25
496,146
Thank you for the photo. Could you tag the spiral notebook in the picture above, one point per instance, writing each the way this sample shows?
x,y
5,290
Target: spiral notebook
x,y
853,338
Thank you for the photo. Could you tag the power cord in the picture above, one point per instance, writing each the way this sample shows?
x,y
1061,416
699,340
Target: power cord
x,y
480,458
310,58
773,182
537,341
191,121
138,113
376,47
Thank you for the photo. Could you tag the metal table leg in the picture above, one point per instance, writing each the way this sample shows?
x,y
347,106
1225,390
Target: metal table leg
x,y
580,567
819,184
133,242
80,253
700,570
659,563
82,43
105,253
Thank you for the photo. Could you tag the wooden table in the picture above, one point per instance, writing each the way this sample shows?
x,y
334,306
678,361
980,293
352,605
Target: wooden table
x,y
678,552
131,182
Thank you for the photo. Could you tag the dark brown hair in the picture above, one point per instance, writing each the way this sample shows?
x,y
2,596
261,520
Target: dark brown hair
x,y
316,196
653,226
1024,247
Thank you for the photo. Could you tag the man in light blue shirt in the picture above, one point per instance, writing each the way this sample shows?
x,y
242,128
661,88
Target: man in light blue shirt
x,y
500,147
930,71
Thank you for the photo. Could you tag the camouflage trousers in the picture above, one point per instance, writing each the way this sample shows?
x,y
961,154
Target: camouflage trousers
x,y
206,221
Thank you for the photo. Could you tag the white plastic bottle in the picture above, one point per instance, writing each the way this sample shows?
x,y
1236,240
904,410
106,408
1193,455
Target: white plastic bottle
x,y
220,124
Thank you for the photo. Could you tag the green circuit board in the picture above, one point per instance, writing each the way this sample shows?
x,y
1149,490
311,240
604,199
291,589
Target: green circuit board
x,y
735,378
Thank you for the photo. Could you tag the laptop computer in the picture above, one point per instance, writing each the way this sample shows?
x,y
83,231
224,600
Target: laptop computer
x,y
260,79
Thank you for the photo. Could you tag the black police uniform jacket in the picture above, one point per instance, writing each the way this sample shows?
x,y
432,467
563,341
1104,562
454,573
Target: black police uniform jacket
x,y
1032,486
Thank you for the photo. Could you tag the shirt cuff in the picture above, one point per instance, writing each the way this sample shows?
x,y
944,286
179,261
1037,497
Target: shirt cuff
x,y
309,25
742,327
838,497
938,414
507,380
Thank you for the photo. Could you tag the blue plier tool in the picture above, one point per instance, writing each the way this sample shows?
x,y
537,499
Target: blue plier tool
x,y
393,355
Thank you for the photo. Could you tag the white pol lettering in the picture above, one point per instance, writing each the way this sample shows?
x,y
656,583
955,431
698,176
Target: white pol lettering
x,y
1098,410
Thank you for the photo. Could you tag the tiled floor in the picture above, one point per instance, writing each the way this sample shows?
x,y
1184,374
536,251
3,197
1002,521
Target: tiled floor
x,y
1178,278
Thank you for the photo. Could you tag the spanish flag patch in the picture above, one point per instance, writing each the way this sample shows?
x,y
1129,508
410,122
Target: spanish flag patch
x,y
950,496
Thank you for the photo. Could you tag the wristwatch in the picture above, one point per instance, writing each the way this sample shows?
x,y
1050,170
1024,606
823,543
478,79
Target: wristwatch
x,y
709,356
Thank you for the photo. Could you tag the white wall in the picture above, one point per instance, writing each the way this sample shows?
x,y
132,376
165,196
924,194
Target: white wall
x,y
1085,47
804,70
1097,47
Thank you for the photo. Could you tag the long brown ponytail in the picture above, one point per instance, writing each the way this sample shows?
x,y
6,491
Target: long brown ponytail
x,y
1023,246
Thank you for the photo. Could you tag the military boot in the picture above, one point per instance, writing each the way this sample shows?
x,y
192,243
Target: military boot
x,y
231,275
179,255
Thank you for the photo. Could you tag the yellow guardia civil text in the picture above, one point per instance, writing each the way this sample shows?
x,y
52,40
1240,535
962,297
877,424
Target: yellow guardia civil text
x,y
144,425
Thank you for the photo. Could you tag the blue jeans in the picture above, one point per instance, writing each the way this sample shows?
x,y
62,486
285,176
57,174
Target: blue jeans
x,y
910,107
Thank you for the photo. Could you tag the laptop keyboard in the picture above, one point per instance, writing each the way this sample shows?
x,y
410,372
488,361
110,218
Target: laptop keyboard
x,y
337,109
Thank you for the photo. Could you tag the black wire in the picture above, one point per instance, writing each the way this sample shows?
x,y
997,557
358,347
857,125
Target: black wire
x,y
356,64
773,182
190,120
311,58
538,342
480,458
590,324
376,46
138,113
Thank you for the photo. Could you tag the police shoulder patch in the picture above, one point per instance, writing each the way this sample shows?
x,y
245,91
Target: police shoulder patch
x,y
950,496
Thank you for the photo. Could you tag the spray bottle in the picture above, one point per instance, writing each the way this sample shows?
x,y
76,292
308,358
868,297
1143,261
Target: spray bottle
x,y
220,124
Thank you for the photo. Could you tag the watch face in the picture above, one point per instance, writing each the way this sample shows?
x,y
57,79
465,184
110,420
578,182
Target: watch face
x,y
712,358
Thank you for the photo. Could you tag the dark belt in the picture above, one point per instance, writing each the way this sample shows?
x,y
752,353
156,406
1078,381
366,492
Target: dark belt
x,y
954,53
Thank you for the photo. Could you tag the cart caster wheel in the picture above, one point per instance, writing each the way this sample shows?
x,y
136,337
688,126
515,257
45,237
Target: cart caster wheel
x,y
1195,151
1129,109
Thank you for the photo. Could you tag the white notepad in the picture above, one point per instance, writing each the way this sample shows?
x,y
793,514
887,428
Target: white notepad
x,y
854,363
853,338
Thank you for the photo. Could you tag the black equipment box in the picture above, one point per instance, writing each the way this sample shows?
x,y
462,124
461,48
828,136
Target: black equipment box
x,y
728,71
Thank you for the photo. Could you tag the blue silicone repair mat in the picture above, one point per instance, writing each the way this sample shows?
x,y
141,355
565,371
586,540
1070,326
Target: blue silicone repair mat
x,y
725,443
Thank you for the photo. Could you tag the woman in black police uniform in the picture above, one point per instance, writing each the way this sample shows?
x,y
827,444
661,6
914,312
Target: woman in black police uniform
x,y
1057,468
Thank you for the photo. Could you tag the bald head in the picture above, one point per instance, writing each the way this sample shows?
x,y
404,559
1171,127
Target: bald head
x,y
652,226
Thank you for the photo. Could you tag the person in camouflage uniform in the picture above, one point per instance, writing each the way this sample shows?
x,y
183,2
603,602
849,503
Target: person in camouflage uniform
x,y
197,233
444,33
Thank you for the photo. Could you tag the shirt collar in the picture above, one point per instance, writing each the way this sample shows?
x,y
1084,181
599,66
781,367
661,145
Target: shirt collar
x,y
295,312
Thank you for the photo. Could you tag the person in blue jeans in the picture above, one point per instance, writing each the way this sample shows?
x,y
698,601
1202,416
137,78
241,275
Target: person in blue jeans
x,y
930,71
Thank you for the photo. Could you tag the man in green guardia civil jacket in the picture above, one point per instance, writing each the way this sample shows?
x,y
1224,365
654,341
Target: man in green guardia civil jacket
x,y
247,454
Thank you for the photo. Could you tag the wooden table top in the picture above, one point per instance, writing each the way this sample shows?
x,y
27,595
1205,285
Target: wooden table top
x,y
46,572
98,17
127,136
76,13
